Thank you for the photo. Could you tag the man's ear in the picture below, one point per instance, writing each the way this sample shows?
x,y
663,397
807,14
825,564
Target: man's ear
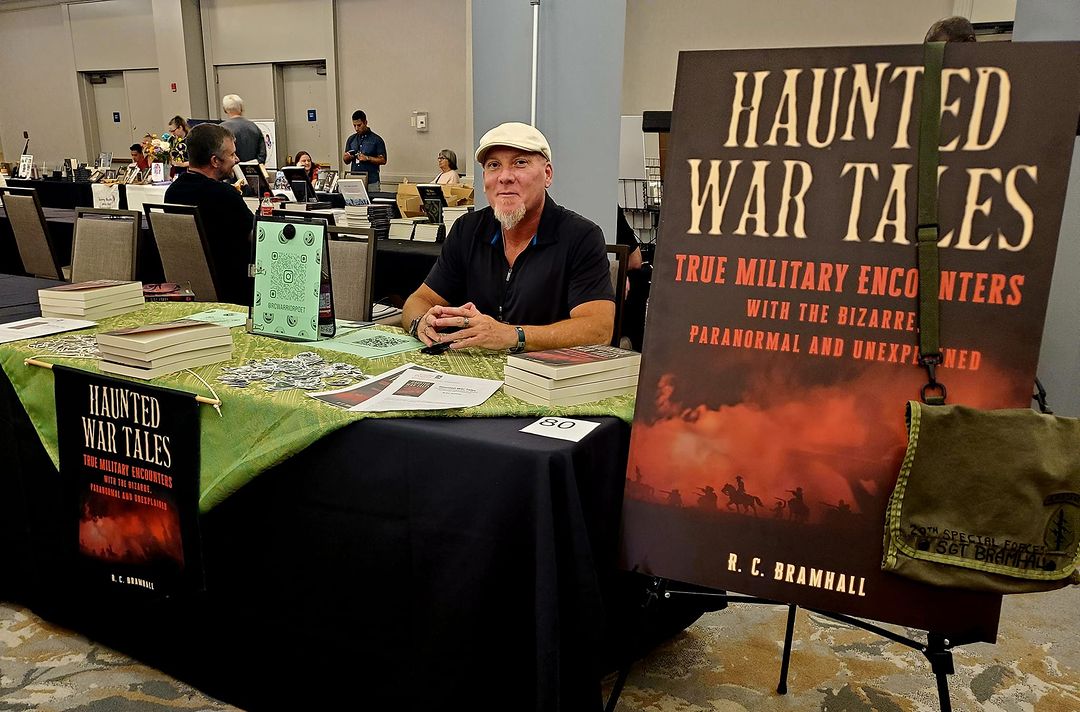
x,y
548,172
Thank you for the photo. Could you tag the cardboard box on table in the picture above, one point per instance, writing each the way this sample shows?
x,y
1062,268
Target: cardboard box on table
x,y
408,198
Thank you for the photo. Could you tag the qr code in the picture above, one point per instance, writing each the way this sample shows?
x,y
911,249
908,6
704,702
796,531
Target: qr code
x,y
288,275
383,341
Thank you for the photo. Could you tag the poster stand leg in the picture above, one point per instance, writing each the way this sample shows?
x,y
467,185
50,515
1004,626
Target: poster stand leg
x,y
937,649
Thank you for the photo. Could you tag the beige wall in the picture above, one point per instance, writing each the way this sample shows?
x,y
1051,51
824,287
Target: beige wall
x,y
38,85
391,58
412,59
243,31
118,34
657,29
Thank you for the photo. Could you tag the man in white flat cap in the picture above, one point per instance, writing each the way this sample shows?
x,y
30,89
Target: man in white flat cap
x,y
522,274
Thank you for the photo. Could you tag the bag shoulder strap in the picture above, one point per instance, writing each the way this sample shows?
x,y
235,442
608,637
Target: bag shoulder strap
x,y
928,231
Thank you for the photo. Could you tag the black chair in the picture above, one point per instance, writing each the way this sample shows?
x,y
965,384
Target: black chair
x,y
352,259
35,245
617,269
185,253
105,244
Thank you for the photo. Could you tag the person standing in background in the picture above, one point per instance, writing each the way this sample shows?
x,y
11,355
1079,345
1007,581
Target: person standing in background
x,y
448,174
365,151
178,155
250,143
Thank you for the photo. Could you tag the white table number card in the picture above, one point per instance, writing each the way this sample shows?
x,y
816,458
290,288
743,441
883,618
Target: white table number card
x,y
561,428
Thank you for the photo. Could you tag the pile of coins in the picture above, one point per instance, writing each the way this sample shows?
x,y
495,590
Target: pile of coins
x,y
76,346
306,371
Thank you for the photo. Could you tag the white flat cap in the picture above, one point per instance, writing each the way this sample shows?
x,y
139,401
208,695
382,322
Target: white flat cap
x,y
515,135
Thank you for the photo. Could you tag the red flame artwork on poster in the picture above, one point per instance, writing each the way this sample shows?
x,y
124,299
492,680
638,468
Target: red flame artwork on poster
x,y
782,335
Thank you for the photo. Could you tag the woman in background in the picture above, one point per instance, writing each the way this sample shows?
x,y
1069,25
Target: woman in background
x,y
178,154
448,174
303,159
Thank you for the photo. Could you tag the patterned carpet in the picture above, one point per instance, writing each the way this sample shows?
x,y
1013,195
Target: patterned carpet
x,y
727,662
48,669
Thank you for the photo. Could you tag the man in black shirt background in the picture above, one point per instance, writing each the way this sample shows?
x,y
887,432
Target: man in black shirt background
x,y
225,216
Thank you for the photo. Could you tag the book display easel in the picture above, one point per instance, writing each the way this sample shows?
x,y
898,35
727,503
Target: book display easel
x,y
782,340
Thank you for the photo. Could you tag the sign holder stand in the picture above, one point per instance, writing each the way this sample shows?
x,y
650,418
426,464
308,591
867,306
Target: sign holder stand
x,y
198,399
937,649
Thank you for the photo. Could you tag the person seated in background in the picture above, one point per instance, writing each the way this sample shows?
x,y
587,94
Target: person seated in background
x,y
303,159
448,174
138,157
178,155
225,216
527,273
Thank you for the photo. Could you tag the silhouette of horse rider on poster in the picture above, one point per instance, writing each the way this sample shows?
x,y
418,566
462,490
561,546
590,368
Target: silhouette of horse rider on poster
x,y
706,497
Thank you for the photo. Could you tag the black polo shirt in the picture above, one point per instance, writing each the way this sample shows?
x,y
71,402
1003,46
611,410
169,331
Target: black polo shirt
x,y
563,267
227,222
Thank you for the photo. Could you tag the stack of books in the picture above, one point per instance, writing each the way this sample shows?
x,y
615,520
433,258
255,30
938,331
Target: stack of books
x,y
581,374
428,232
402,228
157,349
376,217
451,215
379,216
355,216
168,292
97,299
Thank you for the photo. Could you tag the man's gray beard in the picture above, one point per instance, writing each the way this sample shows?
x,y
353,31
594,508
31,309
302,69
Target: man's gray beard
x,y
510,220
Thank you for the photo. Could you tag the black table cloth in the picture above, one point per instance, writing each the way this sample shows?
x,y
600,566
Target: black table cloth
x,y
401,564
58,193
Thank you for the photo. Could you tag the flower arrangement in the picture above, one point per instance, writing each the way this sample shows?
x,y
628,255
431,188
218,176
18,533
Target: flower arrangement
x,y
156,148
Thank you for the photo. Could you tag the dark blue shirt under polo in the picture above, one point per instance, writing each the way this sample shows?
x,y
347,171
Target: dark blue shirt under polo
x,y
563,267
368,143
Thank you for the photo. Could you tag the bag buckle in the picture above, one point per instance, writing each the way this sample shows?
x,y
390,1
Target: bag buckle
x,y
933,393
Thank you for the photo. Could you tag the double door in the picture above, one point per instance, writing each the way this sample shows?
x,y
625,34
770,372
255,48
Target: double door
x,y
127,105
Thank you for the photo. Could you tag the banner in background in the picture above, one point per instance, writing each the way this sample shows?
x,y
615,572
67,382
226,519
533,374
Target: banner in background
x,y
781,344
129,458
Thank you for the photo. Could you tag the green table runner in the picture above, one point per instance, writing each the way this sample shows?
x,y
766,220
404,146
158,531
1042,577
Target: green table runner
x,y
258,429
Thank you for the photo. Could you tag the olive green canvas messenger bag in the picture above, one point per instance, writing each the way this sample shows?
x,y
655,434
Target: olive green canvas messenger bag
x,y
985,500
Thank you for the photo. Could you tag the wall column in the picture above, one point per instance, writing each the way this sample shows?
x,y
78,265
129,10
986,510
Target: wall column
x,y
1059,358
178,35
579,87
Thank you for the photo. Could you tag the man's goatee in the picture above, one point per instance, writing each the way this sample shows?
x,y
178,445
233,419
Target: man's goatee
x,y
510,220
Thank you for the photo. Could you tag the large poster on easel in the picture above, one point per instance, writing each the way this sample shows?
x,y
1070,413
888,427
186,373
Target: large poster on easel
x,y
129,459
781,339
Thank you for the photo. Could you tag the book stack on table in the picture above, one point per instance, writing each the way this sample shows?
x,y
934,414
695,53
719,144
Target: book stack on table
x,y
428,232
157,349
451,215
402,228
570,376
92,300
168,292
377,217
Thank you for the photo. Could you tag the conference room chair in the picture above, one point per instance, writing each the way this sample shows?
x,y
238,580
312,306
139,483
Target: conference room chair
x,y
352,264
35,245
617,271
178,234
105,244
